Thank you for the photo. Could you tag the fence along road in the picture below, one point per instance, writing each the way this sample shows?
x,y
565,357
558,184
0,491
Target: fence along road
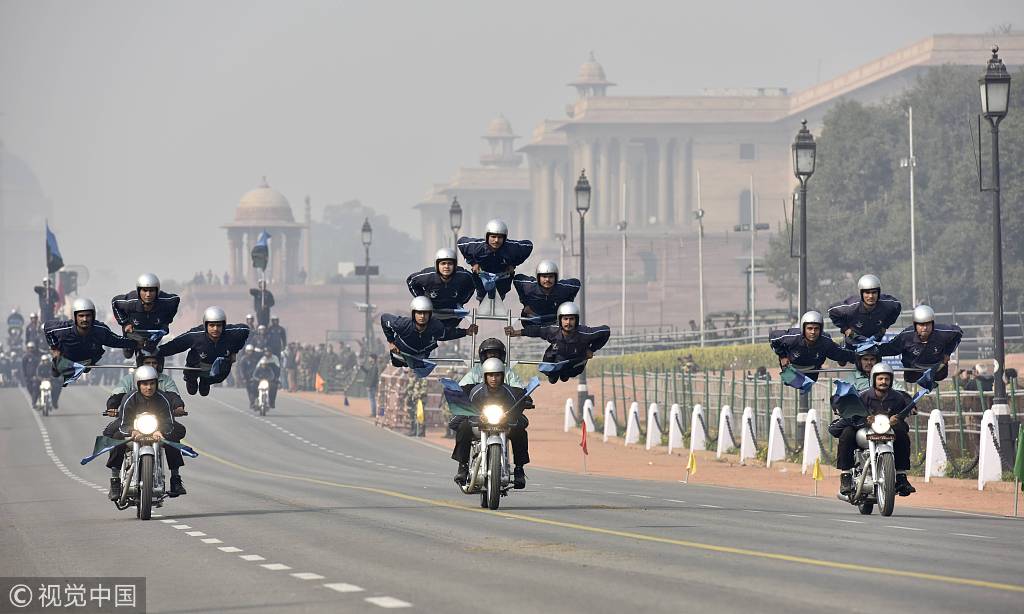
x,y
357,513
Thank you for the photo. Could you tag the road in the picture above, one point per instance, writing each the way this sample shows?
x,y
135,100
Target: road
x,y
308,510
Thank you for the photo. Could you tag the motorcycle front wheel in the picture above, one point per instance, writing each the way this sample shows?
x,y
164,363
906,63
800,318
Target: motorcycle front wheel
x,y
886,485
494,476
145,497
866,508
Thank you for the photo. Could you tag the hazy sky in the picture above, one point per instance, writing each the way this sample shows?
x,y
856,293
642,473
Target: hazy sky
x,y
151,119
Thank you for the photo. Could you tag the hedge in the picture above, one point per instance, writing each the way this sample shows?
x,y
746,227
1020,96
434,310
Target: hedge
x,y
747,356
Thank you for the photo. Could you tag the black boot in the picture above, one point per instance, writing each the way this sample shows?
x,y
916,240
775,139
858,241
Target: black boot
x,y
115,489
204,389
903,486
846,483
192,386
177,488
462,475
519,478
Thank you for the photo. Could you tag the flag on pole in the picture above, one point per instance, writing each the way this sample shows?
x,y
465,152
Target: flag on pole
x,y
847,401
583,441
458,402
927,380
691,464
261,251
54,261
795,379
816,474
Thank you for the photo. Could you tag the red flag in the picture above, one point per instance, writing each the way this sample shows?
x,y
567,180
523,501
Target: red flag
x,y
583,442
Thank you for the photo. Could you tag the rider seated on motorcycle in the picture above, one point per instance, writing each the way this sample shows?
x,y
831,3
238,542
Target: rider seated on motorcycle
x,y
879,399
268,368
127,383
44,372
146,398
490,348
494,391
861,378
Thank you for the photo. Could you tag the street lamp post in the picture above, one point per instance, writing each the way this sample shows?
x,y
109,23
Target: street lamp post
x,y
367,238
699,214
995,101
582,206
621,227
455,219
804,152
910,163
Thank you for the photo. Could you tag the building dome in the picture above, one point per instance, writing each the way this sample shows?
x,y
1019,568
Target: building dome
x,y
499,128
591,73
263,204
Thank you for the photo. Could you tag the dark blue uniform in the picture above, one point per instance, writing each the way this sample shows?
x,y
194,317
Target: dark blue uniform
x,y
402,332
510,254
202,350
851,314
88,348
915,353
262,301
128,309
569,346
277,339
790,343
450,294
544,303
48,299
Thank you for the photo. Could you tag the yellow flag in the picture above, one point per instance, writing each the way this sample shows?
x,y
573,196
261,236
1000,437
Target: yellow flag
x,y
691,464
419,411
816,474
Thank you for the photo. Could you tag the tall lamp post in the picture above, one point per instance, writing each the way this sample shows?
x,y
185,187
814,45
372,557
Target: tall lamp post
x,y
804,152
909,163
621,227
995,102
699,214
582,206
367,238
455,219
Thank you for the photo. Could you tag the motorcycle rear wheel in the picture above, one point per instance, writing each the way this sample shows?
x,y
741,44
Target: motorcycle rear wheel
x,y
886,486
494,476
866,508
145,497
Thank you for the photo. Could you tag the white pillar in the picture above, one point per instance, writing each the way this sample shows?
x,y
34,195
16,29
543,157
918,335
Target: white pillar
x,y
570,419
812,451
698,434
990,468
633,424
935,453
725,426
653,432
675,429
776,443
747,447
610,431
588,416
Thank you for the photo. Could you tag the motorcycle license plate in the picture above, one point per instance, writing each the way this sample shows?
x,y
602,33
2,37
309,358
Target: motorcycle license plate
x,y
877,437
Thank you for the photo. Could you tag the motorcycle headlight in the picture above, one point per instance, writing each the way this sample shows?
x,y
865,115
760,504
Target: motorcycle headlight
x,y
145,424
880,424
493,414
44,385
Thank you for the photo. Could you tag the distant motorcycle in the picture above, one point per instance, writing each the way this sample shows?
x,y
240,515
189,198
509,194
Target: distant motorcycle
x,y
45,401
874,471
263,397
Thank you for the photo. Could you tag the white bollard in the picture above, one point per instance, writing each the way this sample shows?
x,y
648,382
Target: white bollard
x,y
609,421
653,432
588,415
675,433
724,423
698,434
747,447
934,453
990,468
633,424
776,443
570,419
811,449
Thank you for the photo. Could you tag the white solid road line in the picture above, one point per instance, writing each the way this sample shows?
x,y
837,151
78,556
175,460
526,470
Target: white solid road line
x,y
341,587
849,521
388,602
896,526
973,535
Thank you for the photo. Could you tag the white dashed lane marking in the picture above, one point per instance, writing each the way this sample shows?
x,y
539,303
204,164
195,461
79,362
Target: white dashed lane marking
x,y
388,602
973,535
229,549
305,575
341,587
848,521
896,526
251,557
275,567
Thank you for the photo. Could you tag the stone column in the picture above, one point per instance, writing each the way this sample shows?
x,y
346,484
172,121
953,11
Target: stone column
x,y
680,186
233,271
291,264
622,178
664,182
542,200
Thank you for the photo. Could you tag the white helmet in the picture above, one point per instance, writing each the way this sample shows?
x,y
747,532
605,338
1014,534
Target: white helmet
x,y
145,374
249,347
869,282
421,303
923,314
811,317
445,253
547,267
249,316
264,362
32,316
83,304
147,280
569,308
261,329
496,227
493,365
879,368
214,314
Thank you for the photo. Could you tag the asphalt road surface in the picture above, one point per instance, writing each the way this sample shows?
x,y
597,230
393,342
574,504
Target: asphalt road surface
x,y
308,510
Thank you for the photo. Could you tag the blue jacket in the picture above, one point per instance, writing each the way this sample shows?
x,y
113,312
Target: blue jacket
x,y
401,331
915,353
450,294
851,314
541,302
790,343
572,346
511,253
63,335
128,309
201,349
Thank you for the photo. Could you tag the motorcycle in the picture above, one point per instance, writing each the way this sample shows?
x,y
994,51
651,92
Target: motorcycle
x,y
874,471
142,471
263,397
45,402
